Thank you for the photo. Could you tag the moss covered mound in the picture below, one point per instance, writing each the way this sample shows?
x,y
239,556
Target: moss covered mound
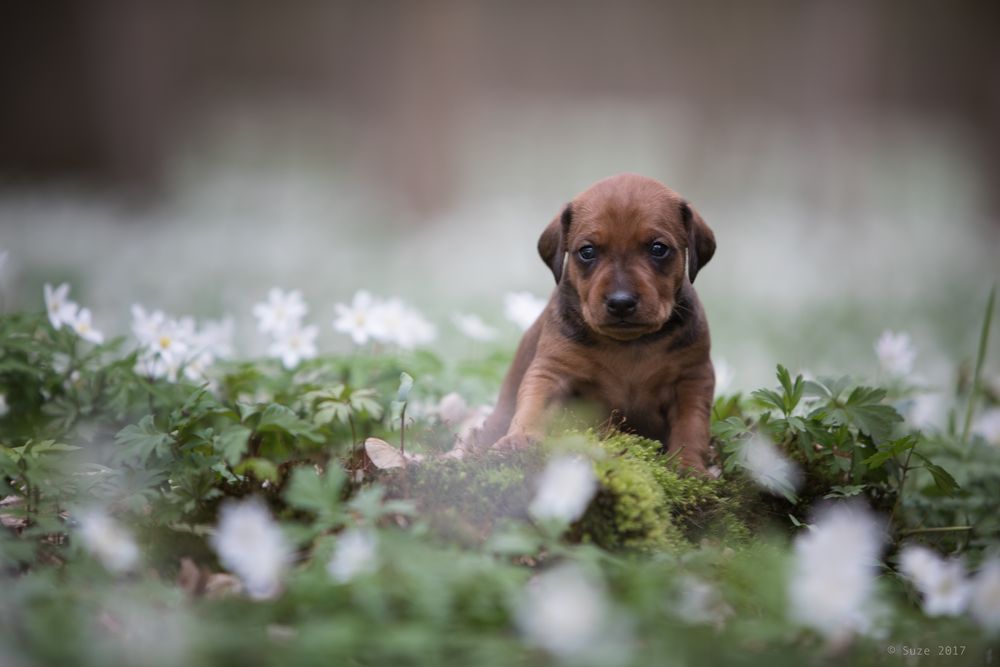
x,y
643,504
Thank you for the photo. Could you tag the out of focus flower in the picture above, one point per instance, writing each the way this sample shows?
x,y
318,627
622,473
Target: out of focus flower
x,y
452,409
281,312
250,544
942,582
216,338
896,353
833,577
399,324
988,426
565,489
768,467
108,541
724,376
358,320
474,327
985,603
294,345
522,308
356,553
699,602
58,306
564,612
81,324
4,408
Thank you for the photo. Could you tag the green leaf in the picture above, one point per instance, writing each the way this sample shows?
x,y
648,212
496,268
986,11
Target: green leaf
x,y
838,491
363,400
864,410
319,495
232,443
890,450
261,469
405,386
280,418
332,410
138,441
945,483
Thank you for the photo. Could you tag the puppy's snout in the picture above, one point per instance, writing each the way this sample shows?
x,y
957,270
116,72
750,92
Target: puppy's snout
x,y
621,304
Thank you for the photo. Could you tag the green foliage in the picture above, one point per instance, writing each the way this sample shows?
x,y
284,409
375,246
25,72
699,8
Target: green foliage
x,y
456,543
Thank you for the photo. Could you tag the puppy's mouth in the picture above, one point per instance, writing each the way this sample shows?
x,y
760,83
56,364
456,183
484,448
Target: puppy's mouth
x,y
625,329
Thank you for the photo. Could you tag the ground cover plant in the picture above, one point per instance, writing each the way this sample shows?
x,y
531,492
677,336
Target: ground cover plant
x,y
166,503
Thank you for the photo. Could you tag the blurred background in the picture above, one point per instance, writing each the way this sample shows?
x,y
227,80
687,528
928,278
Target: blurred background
x,y
190,155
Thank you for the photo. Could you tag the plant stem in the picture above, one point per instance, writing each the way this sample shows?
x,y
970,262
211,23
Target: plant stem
x,y
937,529
984,337
402,430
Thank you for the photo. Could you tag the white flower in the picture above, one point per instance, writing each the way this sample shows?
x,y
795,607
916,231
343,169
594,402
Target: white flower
x,y
724,376
834,572
107,541
4,408
985,603
895,353
294,345
522,308
988,426
942,582
474,327
360,319
355,554
768,467
395,322
215,337
81,324
60,309
700,602
564,612
565,489
147,326
251,545
281,312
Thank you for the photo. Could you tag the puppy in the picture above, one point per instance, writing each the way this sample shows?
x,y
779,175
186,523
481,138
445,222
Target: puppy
x,y
624,329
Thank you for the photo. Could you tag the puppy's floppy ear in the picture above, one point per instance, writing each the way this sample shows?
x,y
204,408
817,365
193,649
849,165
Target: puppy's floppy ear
x,y
701,240
552,244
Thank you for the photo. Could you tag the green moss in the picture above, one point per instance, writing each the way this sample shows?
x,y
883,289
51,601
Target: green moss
x,y
643,504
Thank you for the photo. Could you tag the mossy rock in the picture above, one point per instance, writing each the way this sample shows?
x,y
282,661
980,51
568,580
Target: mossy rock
x,y
643,504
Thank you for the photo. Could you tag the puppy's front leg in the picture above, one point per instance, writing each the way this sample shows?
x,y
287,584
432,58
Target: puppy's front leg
x,y
539,392
689,419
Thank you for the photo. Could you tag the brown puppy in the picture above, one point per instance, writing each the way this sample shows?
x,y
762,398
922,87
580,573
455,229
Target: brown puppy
x,y
624,329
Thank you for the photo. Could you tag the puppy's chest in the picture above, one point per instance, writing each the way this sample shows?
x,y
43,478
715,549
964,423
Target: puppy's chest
x,y
634,384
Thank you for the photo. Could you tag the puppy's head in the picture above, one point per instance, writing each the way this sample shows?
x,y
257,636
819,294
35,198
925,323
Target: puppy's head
x,y
621,245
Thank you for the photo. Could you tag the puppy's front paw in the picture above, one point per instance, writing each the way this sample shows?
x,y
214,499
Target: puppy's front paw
x,y
513,442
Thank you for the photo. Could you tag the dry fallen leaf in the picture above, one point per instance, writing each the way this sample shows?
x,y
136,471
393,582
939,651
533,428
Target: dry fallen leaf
x,y
384,456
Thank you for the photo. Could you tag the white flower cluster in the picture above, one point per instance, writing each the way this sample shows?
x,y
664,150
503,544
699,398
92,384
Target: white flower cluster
x,y
107,541
388,321
281,317
171,348
63,312
896,353
833,579
948,591
565,489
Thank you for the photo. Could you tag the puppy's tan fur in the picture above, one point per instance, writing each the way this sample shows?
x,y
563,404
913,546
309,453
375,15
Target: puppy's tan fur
x,y
649,367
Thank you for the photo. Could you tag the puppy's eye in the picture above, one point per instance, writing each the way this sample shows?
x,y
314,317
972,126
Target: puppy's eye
x,y
659,250
587,253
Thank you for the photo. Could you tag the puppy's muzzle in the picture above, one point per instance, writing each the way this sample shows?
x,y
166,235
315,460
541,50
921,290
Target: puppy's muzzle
x,y
621,304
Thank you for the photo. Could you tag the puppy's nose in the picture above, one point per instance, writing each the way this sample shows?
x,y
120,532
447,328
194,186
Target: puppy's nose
x,y
621,304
